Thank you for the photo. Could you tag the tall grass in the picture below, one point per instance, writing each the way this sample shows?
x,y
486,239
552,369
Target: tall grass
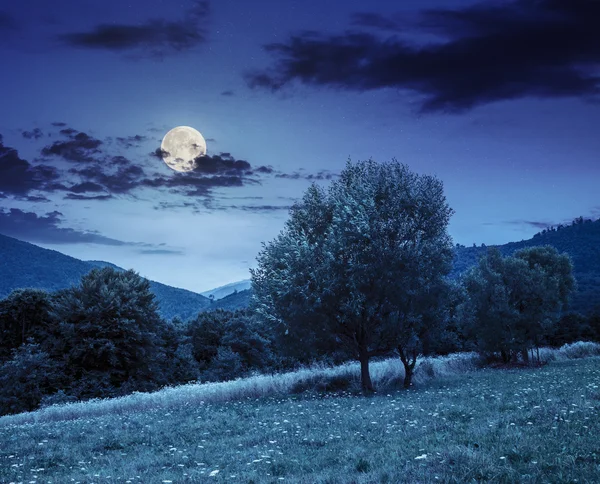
x,y
386,375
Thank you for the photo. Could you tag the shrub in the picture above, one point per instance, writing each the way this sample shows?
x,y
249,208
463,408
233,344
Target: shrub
x,y
27,378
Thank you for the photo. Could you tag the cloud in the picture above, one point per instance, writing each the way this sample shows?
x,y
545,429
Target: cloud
x,y
126,178
223,163
86,187
58,124
227,93
35,133
75,196
79,148
131,141
321,175
531,223
161,252
46,229
482,53
260,208
153,38
18,177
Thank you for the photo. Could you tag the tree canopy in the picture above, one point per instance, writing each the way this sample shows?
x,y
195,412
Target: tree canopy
x,y
354,263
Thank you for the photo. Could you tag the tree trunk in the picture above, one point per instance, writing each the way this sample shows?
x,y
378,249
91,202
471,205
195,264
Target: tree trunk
x,y
525,353
505,356
365,376
409,365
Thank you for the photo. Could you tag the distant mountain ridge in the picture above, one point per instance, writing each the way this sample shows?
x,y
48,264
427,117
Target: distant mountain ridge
x,y
227,289
26,265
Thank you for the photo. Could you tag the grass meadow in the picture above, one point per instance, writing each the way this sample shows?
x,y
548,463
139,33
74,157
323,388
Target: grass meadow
x,y
458,424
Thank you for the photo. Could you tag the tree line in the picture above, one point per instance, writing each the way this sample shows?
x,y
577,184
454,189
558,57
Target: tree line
x,y
359,271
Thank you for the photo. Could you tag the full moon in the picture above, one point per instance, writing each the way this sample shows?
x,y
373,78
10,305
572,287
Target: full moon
x,y
181,146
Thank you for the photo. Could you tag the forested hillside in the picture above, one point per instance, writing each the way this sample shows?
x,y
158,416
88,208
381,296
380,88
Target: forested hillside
x,y
26,265
581,240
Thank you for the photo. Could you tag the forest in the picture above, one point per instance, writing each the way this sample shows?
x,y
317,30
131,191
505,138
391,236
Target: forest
x,y
362,270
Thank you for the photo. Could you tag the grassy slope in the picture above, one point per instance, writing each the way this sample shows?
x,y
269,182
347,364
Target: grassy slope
x,y
533,425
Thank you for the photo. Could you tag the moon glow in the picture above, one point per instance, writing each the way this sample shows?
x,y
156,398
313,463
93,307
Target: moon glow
x,y
181,146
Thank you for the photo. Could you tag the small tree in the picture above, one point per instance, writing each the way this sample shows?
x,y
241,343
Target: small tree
x,y
27,378
351,262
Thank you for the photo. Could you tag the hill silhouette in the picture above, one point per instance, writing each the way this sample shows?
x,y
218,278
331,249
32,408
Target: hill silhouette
x,y
25,265
580,239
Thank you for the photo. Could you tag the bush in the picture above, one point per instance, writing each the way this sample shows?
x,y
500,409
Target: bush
x,y
27,378
581,349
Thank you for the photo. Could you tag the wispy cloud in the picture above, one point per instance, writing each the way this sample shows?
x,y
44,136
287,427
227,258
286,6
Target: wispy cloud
x,y
152,38
47,229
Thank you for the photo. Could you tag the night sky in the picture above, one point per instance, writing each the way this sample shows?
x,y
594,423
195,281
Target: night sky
x,y
498,100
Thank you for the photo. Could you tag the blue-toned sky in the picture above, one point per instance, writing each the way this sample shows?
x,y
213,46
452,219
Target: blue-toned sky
x,y
497,99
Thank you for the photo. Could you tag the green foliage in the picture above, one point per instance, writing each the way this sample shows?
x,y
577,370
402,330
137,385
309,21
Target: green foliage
x,y
26,378
581,240
354,264
176,356
229,344
24,314
25,265
110,324
516,300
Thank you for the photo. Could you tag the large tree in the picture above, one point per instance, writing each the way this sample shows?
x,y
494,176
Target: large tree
x,y
110,323
354,263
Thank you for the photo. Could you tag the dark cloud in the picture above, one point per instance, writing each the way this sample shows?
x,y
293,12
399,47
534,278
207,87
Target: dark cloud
x,y
223,163
159,153
260,208
18,177
75,196
81,147
153,38
46,229
59,124
321,175
483,53
531,223
35,133
124,180
86,187
227,93
192,185
132,141
36,198
264,169
161,252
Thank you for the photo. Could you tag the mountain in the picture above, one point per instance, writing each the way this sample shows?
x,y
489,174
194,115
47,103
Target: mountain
x,y
26,265
581,240
237,300
226,290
